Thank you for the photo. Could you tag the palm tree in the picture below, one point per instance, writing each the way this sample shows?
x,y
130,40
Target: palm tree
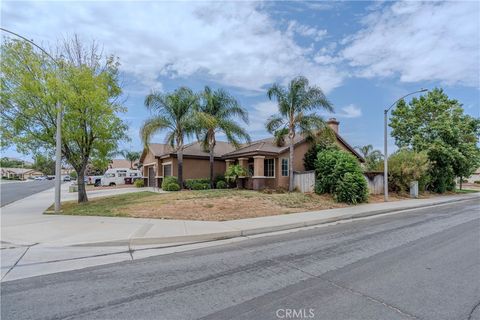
x,y
131,156
174,114
372,157
216,114
296,106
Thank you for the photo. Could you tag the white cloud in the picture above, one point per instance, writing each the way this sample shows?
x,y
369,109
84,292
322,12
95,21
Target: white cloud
x,y
260,113
232,43
419,41
294,27
350,111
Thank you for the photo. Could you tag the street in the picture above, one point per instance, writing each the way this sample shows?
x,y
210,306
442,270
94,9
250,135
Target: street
x,y
13,191
417,264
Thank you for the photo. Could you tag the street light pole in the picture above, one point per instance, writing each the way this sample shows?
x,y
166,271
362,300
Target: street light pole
x,y
58,142
385,144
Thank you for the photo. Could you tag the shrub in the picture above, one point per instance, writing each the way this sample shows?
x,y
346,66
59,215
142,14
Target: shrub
x,y
340,174
189,183
219,177
476,181
172,186
233,172
405,166
200,186
73,175
311,155
139,183
221,184
352,188
330,166
168,182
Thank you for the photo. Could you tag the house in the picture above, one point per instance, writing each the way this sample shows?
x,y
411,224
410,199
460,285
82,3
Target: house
x,y
20,173
474,177
160,160
267,163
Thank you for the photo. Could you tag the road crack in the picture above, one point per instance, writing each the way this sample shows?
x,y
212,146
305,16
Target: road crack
x,y
18,260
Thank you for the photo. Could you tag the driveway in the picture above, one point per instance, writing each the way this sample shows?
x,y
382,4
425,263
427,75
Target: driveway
x,y
418,264
14,191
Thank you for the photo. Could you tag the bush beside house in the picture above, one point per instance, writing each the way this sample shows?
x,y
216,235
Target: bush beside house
x,y
170,184
340,174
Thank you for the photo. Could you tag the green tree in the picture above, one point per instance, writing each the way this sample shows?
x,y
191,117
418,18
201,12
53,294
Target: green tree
x,y
436,124
217,113
131,156
174,115
372,157
405,166
44,164
86,85
6,162
296,106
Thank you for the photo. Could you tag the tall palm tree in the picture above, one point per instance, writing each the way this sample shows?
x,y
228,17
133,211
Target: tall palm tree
x,y
174,115
216,114
131,156
296,112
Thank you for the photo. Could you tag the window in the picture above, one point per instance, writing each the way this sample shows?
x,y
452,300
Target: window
x,y
122,173
167,170
284,167
110,175
269,167
133,174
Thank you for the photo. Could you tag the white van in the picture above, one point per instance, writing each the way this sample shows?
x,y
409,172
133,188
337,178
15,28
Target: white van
x,y
115,177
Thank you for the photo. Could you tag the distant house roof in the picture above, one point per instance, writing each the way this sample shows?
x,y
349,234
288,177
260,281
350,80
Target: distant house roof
x,y
121,163
20,170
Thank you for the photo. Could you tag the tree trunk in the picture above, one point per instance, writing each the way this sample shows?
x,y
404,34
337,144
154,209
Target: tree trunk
x,y
290,166
82,192
180,167
461,181
211,168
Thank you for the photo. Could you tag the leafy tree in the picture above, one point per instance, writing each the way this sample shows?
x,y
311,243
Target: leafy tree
x,y
405,166
233,172
217,112
131,156
174,115
6,162
323,142
296,106
372,157
44,164
86,85
437,125
280,136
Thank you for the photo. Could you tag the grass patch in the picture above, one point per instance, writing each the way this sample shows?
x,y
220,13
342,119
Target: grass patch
x,y
209,205
465,191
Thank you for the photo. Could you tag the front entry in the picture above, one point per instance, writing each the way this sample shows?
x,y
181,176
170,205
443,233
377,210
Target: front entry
x,y
151,177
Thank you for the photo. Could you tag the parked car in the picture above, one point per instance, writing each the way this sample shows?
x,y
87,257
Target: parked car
x,y
39,178
50,177
118,176
67,178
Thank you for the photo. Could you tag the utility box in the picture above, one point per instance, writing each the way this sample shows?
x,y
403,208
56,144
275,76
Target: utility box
x,y
413,189
73,188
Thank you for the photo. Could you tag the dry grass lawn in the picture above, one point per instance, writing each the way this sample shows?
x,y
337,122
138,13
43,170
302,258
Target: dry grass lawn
x,y
208,205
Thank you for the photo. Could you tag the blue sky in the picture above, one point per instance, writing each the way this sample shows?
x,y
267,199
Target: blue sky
x,y
364,55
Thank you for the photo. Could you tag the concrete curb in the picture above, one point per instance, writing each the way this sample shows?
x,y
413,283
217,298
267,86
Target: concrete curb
x,y
188,239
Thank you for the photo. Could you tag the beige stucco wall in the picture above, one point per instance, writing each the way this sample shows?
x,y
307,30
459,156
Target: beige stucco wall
x,y
200,168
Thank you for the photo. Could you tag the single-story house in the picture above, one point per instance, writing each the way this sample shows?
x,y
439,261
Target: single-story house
x,y
267,163
474,177
20,173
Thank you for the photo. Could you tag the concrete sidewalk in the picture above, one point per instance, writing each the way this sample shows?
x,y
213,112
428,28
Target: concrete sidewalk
x,y
35,244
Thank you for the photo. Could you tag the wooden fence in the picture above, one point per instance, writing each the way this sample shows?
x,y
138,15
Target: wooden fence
x,y
305,181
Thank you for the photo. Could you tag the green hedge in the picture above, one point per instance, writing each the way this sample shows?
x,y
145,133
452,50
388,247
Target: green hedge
x,y
221,185
170,184
352,188
197,184
139,183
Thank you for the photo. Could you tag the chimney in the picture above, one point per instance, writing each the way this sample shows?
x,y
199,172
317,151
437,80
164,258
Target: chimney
x,y
333,124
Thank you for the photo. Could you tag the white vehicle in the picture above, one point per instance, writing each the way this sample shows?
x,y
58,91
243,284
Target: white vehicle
x,y
115,177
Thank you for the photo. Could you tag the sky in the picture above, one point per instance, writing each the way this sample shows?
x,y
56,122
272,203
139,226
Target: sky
x,y
363,55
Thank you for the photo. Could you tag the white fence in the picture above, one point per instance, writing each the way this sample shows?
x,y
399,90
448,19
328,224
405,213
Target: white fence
x,y
304,181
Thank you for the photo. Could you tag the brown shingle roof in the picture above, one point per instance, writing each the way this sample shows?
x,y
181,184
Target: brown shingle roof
x,y
193,149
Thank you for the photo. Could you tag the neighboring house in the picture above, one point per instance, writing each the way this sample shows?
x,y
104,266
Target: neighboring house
x,y
266,163
474,177
20,173
122,163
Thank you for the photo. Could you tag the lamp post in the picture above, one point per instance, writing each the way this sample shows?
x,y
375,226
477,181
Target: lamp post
x,y
385,156
58,138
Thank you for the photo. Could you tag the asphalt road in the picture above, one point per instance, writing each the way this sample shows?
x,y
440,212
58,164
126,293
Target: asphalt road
x,y
420,264
13,191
